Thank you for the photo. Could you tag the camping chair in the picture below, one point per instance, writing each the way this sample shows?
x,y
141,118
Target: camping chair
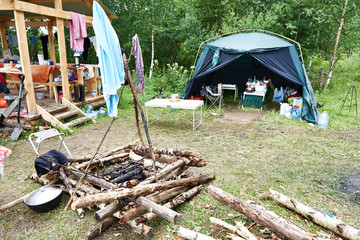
x,y
46,134
214,98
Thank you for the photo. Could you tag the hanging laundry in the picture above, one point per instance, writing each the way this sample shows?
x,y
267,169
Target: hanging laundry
x,y
140,85
12,42
77,27
110,59
86,48
44,43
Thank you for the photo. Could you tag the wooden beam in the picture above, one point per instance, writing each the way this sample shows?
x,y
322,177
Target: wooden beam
x,y
25,60
62,52
51,42
46,11
3,36
50,118
6,5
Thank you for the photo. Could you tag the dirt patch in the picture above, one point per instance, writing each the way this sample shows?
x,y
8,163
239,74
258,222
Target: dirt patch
x,y
351,185
239,117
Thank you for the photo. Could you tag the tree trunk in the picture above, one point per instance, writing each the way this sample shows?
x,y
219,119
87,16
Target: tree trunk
x,y
336,44
192,235
322,77
320,218
161,197
93,180
102,227
159,210
92,200
152,55
310,63
259,214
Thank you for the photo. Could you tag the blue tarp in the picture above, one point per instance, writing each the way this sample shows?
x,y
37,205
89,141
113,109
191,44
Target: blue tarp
x,y
233,59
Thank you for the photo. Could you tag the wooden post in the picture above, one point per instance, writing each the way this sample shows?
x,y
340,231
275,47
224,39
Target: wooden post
x,y
51,42
25,60
62,52
3,36
80,78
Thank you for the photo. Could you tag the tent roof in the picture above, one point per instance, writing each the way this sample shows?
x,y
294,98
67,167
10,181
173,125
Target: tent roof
x,y
245,42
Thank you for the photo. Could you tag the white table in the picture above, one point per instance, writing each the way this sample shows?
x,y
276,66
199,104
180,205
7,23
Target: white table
x,y
232,87
182,104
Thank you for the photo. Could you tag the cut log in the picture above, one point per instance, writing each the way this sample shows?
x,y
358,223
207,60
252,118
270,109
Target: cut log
x,y
142,229
84,187
101,227
192,235
246,235
163,151
174,174
65,179
88,201
102,160
109,210
159,198
93,180
181,198
320,218
79,159
129,175
169,168
159,210
259,214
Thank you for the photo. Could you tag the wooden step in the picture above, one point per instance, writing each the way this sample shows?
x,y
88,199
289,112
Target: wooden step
x,y
66,114
77,121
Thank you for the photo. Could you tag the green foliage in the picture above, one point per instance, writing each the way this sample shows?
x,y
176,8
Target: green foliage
x,y
172,78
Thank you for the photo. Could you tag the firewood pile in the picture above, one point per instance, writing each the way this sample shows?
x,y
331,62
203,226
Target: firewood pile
x,y
123,188
281,227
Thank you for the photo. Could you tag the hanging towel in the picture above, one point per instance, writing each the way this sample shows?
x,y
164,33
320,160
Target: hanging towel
x,y
77,27
93,41
110,59
140,84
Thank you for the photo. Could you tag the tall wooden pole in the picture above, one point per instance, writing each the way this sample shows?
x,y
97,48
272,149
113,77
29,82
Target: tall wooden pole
x,y
25,60
62,52
51,41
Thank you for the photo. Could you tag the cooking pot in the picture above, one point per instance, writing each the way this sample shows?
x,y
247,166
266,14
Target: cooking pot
x,y
45,198
174,97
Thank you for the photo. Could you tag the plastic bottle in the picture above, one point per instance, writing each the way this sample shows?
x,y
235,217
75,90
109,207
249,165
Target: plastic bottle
x,y
323,120
89,108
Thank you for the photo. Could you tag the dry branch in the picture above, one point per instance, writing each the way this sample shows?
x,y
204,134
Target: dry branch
x,y
88,201
101,227
93,180
245,234
259,214
320,218
102,160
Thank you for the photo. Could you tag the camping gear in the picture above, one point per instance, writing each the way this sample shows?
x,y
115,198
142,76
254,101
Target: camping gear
x,y
76,93
89,108
285,109
45,198
46,134
82,93
174,97
3,103
278,95
214,98
353,92
323,120
232,59
17,131
50,161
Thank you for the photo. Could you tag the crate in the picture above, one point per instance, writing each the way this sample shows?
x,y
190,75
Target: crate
x,y
253,101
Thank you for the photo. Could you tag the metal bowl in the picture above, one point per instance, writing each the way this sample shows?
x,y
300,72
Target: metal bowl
x,y
174,97
44,199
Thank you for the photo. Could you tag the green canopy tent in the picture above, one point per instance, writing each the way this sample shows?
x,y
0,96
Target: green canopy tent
x,y
235,58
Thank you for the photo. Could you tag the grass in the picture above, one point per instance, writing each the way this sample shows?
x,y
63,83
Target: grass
x,y
292,157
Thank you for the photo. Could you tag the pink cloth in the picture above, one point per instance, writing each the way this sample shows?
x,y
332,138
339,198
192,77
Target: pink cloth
x,y
77,27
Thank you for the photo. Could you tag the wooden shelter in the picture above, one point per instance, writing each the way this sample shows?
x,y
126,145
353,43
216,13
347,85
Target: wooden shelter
x,y
21,14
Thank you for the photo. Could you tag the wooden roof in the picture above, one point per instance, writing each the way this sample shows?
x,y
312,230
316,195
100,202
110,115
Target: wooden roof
x,y
45,9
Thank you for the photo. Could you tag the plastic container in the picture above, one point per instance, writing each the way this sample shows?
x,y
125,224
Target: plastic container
x,y
323,120
89,108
